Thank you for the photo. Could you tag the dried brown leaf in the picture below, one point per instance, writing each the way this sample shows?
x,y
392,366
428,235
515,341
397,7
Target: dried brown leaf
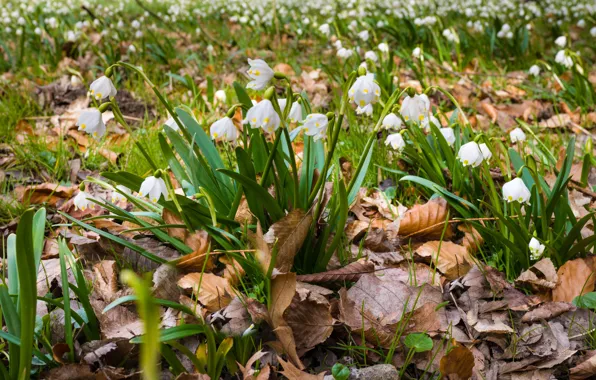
x,y
458,363
212,291
350,272
576,277
490,110
586,369
283,288
427,220
453,260
541,276
288,234
546,311
291,372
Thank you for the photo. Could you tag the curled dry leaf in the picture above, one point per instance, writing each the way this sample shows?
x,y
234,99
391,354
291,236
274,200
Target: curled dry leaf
x,y
547,311
472,239
198,240
586,369
237,316
163,286
458,363
106,280
52,194
490,110
350,272
291,372
233,271
576,277
212,291
557,121
453,260
288,234
248,372
262,251
541,276
427,220
283,288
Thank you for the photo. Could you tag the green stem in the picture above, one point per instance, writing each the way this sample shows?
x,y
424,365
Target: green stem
x,y
271,157
120,118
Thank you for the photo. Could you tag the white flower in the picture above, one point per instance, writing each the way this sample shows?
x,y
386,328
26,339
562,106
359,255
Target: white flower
x,y
416,52
263,115
224,129
383,47
118,196
338,44
172,124
102,88
295,114
371,55
364,92
83,201
486,153
449,135
517,135
470,154
392,121
428,120
363,35
415,108
91,122
324,29
396,141
220,96
561,41
516,190
345,53
315,125
534,70
260,73
536,249
154,188
581,23
563,59
593,31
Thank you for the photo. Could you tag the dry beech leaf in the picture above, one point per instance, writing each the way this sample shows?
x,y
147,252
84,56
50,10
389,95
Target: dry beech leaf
x,y
106,279
453,260
427,220
576,277
472,239
292,373
262,251
490,110
541,276
546,311
458,363
283,288
585,369
212,291
350,272
557,121
50,193
247,370
288,234
233,271
198,240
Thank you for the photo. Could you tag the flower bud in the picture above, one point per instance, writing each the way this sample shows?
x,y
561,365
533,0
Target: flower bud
x,y
158,173
109,71
104,107
330,115
588,147
269,93
411,92
82,186
279,75
361,71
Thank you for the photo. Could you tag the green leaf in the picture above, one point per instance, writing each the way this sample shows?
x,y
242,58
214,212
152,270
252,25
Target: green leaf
x,y
359,175
586,301
340,372
419,342
62,248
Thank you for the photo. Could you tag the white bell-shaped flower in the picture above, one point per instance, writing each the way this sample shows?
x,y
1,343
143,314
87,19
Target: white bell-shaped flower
x,y
220,96
517,135
224,129
172,124
470,154
416,52
91,122
345,53
486,153
383,47
536,249
561,41
563,58
264,116
102,88
82,201
415,108
516,190
371,55
427,121
396,141
392,121
364,92
325,29
118,195
534,70
260,73
315,125
153,188
449,135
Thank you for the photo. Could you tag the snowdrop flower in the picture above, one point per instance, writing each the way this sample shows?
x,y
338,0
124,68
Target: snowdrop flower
x,y
132,49
415,108
119,196
102,88
371,55
224,129
383,47
37,31
449,135
536,249
416,52
396,141
534,70
153,188
364,92
315,125
220,96
517,135
324,29
363,35
83,201
593,31
561,41
392,121
263,115
581,23
172,124
470,154
428,120
563,59
295,114
337,44
345,53
91,122
135,24
486,153
138,34
516,190
260,73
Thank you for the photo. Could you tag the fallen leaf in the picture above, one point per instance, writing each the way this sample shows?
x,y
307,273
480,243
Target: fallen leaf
x,y
212,291
541,276
51,194
557,121
283,288
575,278
458,363
427,220
490,110
585,369
453,260
547,311
288,235
291,372
350,272
106,279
